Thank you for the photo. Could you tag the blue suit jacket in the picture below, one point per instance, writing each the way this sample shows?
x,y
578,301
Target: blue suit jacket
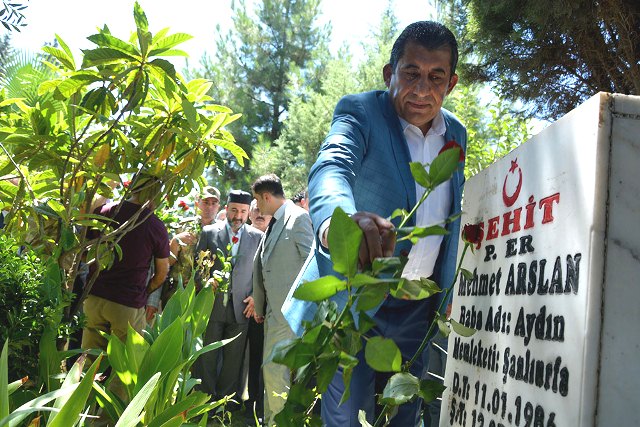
x,y
363,165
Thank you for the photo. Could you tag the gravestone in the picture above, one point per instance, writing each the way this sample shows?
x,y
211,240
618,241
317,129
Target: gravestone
x,y
554,293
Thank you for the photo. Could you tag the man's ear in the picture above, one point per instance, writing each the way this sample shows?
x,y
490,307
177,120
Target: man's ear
x,y
387,71
452,83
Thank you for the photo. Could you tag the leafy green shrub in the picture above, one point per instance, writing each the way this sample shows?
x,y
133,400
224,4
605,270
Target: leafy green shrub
x,y
24,306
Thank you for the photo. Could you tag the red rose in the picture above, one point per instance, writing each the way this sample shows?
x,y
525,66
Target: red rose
x,y
126,184
183,205
452,144
234,239
473,233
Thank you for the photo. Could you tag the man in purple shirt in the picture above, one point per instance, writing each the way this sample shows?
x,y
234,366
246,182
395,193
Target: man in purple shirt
x,y
119,294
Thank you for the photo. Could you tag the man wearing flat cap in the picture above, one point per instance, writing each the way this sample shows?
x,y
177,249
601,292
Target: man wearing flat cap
x,y
232,308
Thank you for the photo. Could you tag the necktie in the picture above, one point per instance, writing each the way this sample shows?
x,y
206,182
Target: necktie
x,y
271,223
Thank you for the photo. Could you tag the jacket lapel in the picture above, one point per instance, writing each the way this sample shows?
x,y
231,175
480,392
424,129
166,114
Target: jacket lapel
x,y
399,147
274,235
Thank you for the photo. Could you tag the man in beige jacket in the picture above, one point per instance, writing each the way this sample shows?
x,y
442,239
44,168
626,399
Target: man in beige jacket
x,y
280,256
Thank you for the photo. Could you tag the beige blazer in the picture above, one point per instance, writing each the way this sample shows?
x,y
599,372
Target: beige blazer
x,y
279,258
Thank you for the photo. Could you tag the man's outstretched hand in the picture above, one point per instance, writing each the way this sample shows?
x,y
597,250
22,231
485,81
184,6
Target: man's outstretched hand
x,y
379,237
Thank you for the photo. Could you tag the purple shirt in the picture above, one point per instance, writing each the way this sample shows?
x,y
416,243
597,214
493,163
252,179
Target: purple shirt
x,y
126,281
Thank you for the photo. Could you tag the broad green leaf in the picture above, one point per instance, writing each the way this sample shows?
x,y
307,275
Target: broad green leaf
x,y
164,65
69,413
400,388
348,363
420,174
327,368
402,213
35,405
190,113
14,386
164,353
67,51
365,323
202,306
175,410
420,232
320,289
344,243
131,415
371,296
176,421
72,377
166,43
237,151
415,289
381,265
210,347
431,390
61,56
383,355
292,353
460,329
67,238
109,41
104,56
364,279
140,18
4,380
136,347
443,166
120,363
444,327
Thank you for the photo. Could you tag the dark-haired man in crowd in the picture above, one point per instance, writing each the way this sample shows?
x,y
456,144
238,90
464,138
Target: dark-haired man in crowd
x,y
363,167
280,256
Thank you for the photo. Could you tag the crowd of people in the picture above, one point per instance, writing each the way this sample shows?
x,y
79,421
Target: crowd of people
x,y
362,167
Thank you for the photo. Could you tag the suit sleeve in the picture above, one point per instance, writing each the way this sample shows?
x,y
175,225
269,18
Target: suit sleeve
x,y
258,283
303,234
332,177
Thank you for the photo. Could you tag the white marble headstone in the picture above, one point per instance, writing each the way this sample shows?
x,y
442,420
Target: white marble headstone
x,y
555,293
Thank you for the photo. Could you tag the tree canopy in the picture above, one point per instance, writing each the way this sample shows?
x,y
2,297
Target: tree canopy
x,y
552,55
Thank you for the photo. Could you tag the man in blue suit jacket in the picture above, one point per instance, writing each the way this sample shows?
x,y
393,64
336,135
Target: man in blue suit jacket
x,y
363,167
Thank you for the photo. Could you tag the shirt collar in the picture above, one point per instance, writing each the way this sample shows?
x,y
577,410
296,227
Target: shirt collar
x,y
280,212
230,231
438,126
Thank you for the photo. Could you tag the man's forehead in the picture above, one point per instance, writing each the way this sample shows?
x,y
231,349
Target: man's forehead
x,y
209,199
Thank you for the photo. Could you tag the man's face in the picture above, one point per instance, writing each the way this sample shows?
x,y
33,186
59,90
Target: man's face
x,y
237,215
419,83
259,221
262,201
208,209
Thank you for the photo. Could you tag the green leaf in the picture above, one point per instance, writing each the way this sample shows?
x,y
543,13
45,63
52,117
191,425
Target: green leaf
x,y
466,274
164,353
360,280
381,265
70,412
190,113
67,51
131,415
365,323
402,213
140,18
431,390
460,329
4,380
383,355
326,371
400,388
237,151
67,238
415,289
61,56
420,174
104,56
444,327
72,377
420,232
320,289
166,43
109,41
164,65
443,166
135,347
371,296
293,353
344,243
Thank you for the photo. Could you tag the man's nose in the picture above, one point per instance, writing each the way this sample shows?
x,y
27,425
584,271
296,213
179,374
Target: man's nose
x,y
422,86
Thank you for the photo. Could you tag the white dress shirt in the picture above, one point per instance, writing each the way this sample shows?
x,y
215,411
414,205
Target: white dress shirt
x,y
435,209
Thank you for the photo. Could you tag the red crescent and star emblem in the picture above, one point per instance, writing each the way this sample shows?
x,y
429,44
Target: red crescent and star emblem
x,y
509,200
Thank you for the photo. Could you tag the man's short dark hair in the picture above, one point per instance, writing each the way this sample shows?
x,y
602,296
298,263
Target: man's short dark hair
x,y
428,34
268,184
303,195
